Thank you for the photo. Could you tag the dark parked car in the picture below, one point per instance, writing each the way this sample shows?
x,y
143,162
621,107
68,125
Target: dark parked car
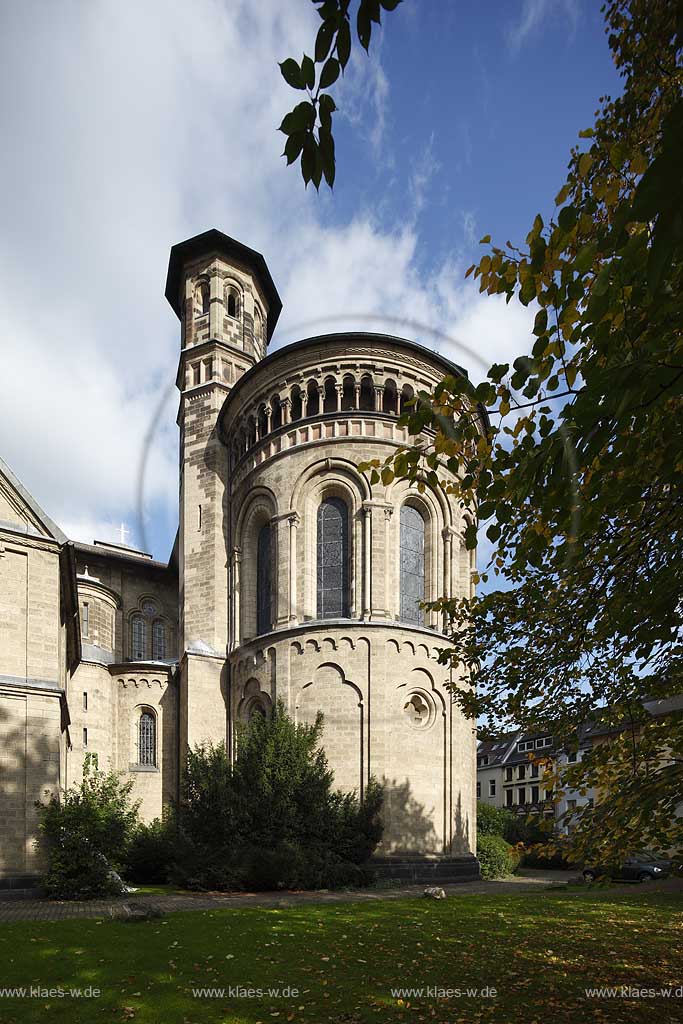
x,y
637,867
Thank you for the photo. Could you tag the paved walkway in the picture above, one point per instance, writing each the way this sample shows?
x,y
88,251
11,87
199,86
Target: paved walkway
x,y
124,907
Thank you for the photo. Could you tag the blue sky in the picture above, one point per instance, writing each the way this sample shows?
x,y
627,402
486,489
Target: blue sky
x,y
130,127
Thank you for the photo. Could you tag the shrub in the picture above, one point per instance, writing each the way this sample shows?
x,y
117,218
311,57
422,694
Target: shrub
x,y
151,851
273,819
494,821
85,835
496,857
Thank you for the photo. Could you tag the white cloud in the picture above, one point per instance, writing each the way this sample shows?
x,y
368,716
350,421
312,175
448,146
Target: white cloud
x,y
128,128
534,13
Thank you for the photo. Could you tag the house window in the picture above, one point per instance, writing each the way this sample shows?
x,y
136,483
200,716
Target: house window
x,y
333,559
147,740
412,565
548,794
478,790
86,619
201,299
85,700
508,774
521,771
571,805
138,645
85,737
525,745
572,758
534,794
521,795
233,302
158,641
534,771
508,797
492,787
263,581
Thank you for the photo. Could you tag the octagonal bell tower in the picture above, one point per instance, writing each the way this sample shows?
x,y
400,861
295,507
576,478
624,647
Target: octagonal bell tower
x,y
227,304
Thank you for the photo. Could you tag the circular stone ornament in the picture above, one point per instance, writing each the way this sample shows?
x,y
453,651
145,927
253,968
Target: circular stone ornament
x,y
419,709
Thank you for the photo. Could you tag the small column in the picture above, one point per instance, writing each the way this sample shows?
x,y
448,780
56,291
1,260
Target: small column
x,y
356,395
388,512
294,521
269,416
447,533
215,303
367,561
286,406
339,388
304,403
236,587
379,392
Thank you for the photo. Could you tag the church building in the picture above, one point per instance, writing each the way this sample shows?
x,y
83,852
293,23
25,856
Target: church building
x,y
292,578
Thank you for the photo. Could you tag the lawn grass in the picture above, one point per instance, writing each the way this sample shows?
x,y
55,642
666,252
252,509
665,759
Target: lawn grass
x,y
539,951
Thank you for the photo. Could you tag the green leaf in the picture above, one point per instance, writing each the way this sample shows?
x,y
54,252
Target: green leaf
x,y
344,43
567,218
299,119
497,372
293,146
327,155
308,72
585,257
528,291
541,322
308,158
325,107
330,72
471,537
323,40
363,26
291,72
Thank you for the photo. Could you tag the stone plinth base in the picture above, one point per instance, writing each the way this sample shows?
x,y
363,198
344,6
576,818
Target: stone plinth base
x,y
430,870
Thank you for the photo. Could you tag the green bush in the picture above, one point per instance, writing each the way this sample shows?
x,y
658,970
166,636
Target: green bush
x,y
151,851
272,819
496,857
85,835
494,821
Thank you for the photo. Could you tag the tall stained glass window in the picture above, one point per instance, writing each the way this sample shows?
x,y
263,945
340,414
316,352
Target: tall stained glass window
x,y
333,559
412,565
264,583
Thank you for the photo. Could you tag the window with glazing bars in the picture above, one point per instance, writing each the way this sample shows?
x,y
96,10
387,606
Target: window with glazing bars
x,y
412,565
158,641
148,739
138,645
264,583
333,559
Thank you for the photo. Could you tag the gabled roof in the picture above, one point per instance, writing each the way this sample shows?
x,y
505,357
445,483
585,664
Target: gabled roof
x,y
215,241
28,518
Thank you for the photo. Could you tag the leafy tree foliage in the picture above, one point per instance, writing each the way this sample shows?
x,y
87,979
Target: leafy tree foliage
x,y
85,834
273,818
573,456
308,126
